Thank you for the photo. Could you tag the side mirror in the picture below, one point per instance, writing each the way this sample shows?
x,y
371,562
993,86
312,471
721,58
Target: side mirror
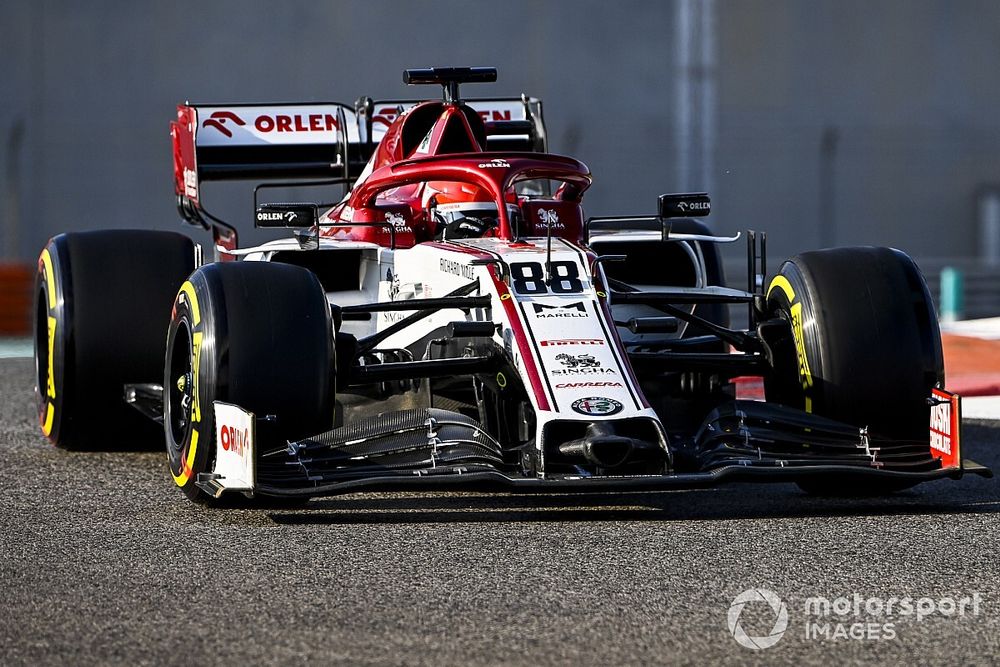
x,y
286,215
690,205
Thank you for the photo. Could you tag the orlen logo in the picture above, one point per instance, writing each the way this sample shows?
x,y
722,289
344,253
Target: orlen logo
x,y
495,163
218,121
288,216
386,115
314,122
233,440
264,123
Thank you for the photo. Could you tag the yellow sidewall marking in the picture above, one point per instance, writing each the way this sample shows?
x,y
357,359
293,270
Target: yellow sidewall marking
x,y
50,382
50,414
781,282
188,464
195,365
188,289
50,278
188,459
50,375
805,374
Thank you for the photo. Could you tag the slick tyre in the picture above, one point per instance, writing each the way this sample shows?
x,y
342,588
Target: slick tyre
x,y
102,305
863,348
254,334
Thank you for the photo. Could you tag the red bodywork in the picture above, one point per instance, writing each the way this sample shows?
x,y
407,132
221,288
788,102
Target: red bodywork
x,y
410,156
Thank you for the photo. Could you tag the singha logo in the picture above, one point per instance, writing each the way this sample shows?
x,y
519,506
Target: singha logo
x,y
578,360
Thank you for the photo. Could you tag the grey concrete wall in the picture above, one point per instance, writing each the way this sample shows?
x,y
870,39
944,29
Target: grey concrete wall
x,y
908,86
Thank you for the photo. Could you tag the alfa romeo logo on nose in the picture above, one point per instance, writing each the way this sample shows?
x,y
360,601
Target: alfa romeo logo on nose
x,y
780,618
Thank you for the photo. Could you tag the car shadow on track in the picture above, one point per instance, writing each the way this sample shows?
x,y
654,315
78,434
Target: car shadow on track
x,y
970,495
748,502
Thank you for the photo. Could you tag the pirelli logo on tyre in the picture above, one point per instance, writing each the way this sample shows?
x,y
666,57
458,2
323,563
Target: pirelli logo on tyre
x,y
795,309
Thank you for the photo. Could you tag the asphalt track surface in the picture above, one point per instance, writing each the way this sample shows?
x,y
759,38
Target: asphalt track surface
x,y
102,561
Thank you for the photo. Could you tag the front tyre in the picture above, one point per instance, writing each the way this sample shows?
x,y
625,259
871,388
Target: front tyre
x,y
864,345
254,334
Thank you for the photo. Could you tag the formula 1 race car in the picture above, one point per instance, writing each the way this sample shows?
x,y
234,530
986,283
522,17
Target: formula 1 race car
x,y
456,322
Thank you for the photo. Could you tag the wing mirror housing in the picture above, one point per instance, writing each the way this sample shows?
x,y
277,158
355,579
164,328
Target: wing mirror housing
x,y
286,215
687,205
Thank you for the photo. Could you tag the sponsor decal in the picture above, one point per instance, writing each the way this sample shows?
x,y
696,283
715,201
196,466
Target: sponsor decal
x,y
597,406
265,123
694,206
585,370
495,163
581,385
569,310
190,183
233,439
944,427
495,114
550,218
314,122
387,115
581,364
457,268
393,281
572,341
941,428
218,120
425,144
288,217
396,220
50,380
578,360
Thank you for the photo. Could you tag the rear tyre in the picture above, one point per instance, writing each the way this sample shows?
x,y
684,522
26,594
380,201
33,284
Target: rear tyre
x,y
864,346
102,304
254,334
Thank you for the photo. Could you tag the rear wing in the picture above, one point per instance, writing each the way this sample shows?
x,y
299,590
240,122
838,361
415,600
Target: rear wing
x,y
321,143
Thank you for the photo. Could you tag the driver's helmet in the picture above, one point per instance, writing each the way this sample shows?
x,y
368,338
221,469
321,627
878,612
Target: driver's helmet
x,y
460,210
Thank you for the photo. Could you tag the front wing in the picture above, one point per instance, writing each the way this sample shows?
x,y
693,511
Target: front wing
x,y
431,449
